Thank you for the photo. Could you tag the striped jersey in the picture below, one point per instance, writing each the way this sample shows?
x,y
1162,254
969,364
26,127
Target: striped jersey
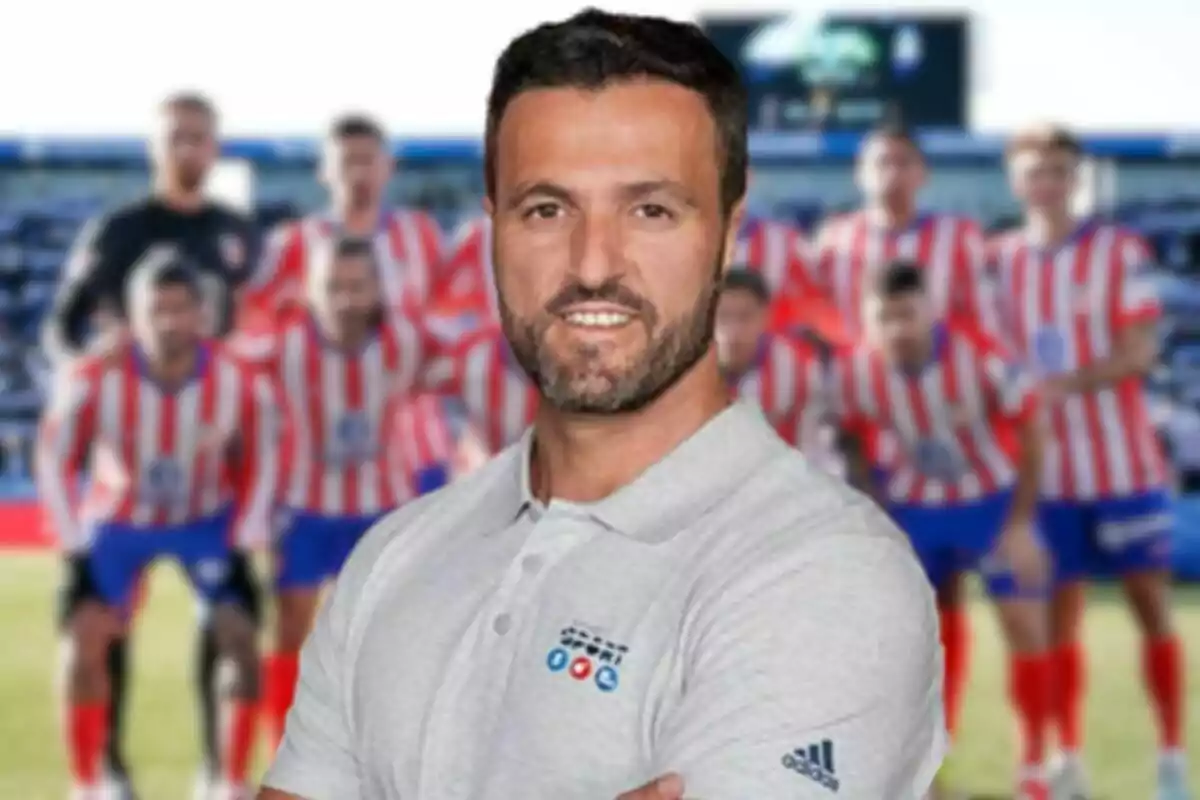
x,y
851,250
1063,310
342,410
786,380
407,248
952,427
160,456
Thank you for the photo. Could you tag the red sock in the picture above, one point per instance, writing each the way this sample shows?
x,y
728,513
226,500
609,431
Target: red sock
x,y
278,692
87,734
956,647
239,740
1070,677
1030,691
1162,666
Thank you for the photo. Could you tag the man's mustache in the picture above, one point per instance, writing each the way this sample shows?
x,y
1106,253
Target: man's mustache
x,y
611,291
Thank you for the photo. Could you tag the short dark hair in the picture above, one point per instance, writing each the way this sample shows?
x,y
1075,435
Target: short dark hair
x,y
350,126
164,268
595,49
892,127
740,279
899,277
190,101
1042,139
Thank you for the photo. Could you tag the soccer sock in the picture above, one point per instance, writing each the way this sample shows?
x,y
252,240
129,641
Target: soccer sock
x,y
1030,691
956,647
1070,675
118,662
282,670
207,695
87,728
1162,666
239,741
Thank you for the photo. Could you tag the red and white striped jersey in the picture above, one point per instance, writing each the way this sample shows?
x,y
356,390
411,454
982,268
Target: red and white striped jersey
x,y
1063,310
407,247
952,427
467,285
159,457
777,251
850,250
420,440
496,394
786,380
341,408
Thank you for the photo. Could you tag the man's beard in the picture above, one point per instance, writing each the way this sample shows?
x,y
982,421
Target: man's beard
x,y
670,354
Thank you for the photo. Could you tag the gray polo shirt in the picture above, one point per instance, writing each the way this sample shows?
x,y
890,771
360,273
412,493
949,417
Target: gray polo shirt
x,y
734,615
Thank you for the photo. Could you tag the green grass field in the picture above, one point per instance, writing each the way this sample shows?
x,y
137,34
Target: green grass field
x,y
163,742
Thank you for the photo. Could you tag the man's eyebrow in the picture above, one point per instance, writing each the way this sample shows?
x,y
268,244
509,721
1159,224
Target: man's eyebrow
x,y
541,189
676,189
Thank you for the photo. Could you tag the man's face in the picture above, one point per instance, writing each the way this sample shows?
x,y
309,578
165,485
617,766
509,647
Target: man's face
x,y
1044,180
167,320
356,170
741,320
890,171
902,325
609,240
185,147
350,292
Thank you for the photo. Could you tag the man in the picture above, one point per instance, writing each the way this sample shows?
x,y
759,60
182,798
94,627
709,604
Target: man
x,y
89,308
851,250
362,446
164,425
591,610
964,482
783,377
1081,311
356,167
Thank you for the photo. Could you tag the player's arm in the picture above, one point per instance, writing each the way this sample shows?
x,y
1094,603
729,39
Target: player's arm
x,y
65,437
262,449
90,277
852,430
973,290
1134,318
420,445
278,261
815,673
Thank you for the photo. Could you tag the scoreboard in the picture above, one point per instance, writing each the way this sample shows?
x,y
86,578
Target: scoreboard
x,y
847,72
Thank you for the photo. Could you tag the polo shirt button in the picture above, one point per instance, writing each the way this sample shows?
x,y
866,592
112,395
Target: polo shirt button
x,y
531,564
502,624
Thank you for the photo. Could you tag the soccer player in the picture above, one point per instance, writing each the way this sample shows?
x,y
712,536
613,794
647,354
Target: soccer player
x,y
784,377
89,310
849,253
356,167
164,425
964,478
1081,310
363,445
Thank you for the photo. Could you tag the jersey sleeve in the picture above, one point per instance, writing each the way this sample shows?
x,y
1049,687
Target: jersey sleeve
x,y
462,284
64,438
973,294
842,699
1137,298
273,281
1007,383
89,277
420,447
264,444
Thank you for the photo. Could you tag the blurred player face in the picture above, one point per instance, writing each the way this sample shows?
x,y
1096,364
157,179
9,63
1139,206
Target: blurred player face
x,y
356,171
185,147
890,171
741,320
609,240
349,295
903,326
1045,179
166,321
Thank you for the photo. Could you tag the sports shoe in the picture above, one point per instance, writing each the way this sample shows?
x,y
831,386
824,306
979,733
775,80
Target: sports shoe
x,y
1172,778
205,786
1032,785
233,791
1068,778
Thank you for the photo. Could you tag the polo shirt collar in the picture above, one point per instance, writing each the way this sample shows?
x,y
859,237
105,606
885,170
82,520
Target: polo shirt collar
x,y
683,485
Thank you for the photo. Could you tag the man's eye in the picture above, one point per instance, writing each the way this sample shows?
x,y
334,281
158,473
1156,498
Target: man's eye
x,y
653,211
543,211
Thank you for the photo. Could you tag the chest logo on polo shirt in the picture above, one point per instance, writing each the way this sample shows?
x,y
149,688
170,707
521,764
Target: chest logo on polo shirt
x,y
587,657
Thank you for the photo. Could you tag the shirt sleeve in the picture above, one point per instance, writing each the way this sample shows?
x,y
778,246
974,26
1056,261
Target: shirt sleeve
x,y
1136,295
817,674
974,295
265,440
316,759
64,438
86,285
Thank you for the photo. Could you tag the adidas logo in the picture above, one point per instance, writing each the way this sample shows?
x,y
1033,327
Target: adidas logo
x,y
814,762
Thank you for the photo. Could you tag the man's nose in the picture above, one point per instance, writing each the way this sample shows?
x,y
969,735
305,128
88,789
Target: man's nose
x,y
596,249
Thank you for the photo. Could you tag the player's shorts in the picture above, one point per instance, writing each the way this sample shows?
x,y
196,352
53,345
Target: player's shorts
x,y
1110,536
120,553
950,539
312,549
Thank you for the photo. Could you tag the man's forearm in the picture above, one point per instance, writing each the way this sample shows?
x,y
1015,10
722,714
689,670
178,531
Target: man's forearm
x,y
1029,473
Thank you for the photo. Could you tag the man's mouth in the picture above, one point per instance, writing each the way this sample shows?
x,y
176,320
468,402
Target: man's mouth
x,y
597,316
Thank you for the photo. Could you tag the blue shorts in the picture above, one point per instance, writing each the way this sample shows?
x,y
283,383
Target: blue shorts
x,y
120,553
1110,536
949,539
312,549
